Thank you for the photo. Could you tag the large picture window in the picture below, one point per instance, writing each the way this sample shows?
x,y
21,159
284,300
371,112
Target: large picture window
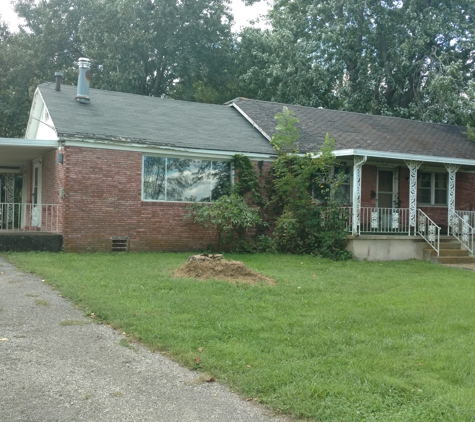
x,y
183,179
432,189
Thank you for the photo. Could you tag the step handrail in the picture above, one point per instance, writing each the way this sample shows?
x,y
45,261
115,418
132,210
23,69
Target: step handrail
x,y
428,230
462,231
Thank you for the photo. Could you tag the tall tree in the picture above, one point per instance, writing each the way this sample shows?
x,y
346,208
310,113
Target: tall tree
x,y
178,48
405,58
156,47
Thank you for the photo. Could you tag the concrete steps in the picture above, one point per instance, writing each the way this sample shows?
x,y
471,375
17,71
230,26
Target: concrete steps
x,y
450,252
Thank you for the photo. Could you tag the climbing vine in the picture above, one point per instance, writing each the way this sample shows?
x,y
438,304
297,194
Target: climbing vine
x,y
300,212
246,180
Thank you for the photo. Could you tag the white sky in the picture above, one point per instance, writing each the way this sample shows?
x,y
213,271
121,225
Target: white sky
x,y
242,14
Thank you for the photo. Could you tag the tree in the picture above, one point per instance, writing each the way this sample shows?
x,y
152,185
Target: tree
x,y
303,196
392,57
182,49
158,48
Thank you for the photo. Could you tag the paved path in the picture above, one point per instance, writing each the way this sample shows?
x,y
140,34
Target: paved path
x,y
53,372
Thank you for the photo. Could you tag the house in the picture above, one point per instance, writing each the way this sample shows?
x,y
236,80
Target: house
x,y
114,171
407,178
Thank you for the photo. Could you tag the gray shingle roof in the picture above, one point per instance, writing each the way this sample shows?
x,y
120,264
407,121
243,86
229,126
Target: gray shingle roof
x,y
151,120
363,131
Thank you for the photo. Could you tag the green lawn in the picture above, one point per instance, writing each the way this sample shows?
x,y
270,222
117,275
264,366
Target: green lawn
x,y
330,341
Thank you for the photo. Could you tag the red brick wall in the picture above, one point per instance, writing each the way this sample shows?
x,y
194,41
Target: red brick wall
x,y
465,191
103,199
53,179
368,184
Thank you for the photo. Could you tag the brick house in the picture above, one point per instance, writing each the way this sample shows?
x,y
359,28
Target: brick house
x,y
109,170
408,180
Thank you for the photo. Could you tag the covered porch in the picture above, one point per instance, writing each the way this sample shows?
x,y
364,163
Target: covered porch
x,y
23,207
403,204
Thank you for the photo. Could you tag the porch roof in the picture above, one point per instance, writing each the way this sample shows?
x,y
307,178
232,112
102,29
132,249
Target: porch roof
x,y
391,157
15,152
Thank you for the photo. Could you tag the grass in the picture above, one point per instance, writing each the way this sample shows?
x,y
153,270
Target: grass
x,y
330,341
41,302
74,322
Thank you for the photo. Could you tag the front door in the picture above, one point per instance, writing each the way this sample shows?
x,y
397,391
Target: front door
x,y
385,218
36,195
385,195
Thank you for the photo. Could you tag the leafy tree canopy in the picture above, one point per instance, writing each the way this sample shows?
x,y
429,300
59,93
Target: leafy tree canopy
x,y
181,49
405,58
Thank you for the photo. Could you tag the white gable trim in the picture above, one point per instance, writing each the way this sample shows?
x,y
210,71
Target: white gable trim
x,y
37,125
252,122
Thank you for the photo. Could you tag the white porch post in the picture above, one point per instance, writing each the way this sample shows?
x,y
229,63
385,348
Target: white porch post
x,y
9,196
452,169
357,171
413,167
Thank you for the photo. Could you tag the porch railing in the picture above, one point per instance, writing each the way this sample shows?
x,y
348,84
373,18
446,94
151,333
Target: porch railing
x,y
29,217
428,230
394,221
384,220
462,230
467,214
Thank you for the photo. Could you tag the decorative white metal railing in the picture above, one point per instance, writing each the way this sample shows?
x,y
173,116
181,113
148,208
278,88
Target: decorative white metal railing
x,y
384,220
29,217
462,230
469,214
428,230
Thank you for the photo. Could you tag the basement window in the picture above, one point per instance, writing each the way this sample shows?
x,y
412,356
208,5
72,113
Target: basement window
x,y
120,244
184,179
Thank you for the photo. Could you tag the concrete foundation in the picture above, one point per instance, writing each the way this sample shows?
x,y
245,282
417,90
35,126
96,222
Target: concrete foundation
x,y
386,247
30,242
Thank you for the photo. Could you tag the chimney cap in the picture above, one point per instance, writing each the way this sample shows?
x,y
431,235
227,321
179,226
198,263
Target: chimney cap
x,y
84,62
59,76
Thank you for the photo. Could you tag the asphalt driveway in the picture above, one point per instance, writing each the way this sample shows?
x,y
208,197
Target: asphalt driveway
x,y
57,366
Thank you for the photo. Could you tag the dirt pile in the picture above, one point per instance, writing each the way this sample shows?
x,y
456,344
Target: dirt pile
x,y
205,267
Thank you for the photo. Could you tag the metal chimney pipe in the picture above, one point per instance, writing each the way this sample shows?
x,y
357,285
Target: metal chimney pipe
x,y
83,80
59,76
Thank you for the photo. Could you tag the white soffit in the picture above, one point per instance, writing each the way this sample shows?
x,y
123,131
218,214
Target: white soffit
x,y
17,152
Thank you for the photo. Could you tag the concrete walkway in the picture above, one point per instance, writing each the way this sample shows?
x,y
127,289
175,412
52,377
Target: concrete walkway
x,y
54,372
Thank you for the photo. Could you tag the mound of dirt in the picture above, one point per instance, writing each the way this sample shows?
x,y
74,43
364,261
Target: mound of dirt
x,y
205,267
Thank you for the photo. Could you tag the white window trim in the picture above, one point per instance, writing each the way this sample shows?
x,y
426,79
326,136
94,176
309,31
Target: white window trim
x,y
433,189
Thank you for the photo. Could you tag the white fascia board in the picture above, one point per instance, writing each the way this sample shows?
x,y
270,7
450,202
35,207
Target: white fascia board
x,y
161,150
252,122
400,156
20,142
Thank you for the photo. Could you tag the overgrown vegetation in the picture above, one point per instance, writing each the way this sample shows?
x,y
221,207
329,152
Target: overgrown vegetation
x,y
346,342
300,212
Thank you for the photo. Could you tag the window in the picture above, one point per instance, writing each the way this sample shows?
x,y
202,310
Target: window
x,y
184,179
432,188
336,186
